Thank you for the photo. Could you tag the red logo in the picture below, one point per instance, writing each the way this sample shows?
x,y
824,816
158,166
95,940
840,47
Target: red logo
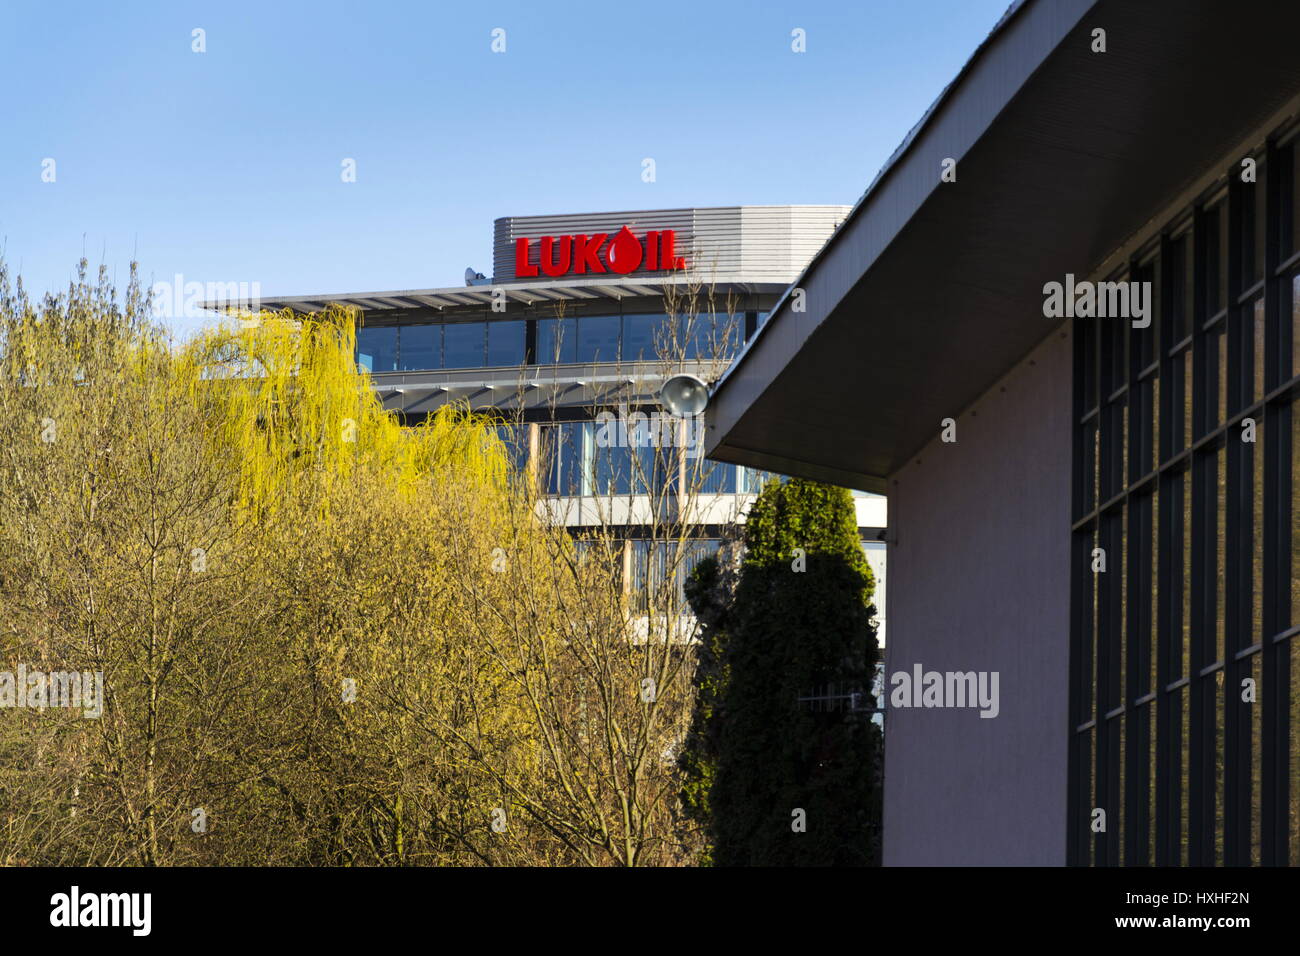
x,y
624,254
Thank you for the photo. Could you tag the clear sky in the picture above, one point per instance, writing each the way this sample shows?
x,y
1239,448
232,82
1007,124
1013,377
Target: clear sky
x,y
225,166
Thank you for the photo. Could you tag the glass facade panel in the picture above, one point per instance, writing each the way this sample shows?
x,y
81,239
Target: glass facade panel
x,y
1252,227
598,338
1214,786
462,344
1253,453
1295,325
1216,259
420,346
1091,464
1216,366
557,341
377,348
505,343
1291,613
1203,578
1180,309
1254,334
502,343
515,438
560,464
712,477
1185,786
1291,652
1146,341
1217,526
1254,719
639,336
1291,212
1183,546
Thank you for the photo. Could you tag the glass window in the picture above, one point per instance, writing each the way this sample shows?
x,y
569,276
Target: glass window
x,y
377,348
1254,719
598,338
1295,327
1217,581
1252,229
1253,455
1217,527
1216,258
1258,347
506,343
1291,212
639,344
1145,344
462,345
1292,618
557,341
751,480
1091,473
1114,344
713,477
699,335
1183,776
420,346
1216,364
1180,309
561,458
515,438
728,333
618,471
1293,842
698,331
640,583
1182,547
612,459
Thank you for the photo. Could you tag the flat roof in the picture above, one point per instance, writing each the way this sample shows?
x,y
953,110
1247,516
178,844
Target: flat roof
x,y
931,291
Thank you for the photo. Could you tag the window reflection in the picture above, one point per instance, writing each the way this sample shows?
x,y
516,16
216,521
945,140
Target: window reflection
x,y
660,570
377,348
639,336
557,341
505,343
560,450
463,344
420,346
636,337
598,338
713,477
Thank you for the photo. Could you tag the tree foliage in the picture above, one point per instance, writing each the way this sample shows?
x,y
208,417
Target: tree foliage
x,y
325,638
795,622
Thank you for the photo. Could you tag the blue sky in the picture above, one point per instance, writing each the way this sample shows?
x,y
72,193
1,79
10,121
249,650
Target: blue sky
x,y
225,166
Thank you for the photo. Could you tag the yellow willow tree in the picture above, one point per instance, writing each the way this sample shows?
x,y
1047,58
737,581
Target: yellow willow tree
x,y
359,510
253,555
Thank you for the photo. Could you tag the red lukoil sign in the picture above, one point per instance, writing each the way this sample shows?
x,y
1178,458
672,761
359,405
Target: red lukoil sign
x,y
624,254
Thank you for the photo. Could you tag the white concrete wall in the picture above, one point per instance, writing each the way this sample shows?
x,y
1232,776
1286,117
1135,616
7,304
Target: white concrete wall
x,y
979,581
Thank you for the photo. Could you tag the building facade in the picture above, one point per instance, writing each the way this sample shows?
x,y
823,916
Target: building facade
x,y
1077,285
569,342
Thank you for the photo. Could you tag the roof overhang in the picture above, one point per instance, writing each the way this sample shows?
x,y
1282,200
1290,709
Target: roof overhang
x,y
519,293
931,291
